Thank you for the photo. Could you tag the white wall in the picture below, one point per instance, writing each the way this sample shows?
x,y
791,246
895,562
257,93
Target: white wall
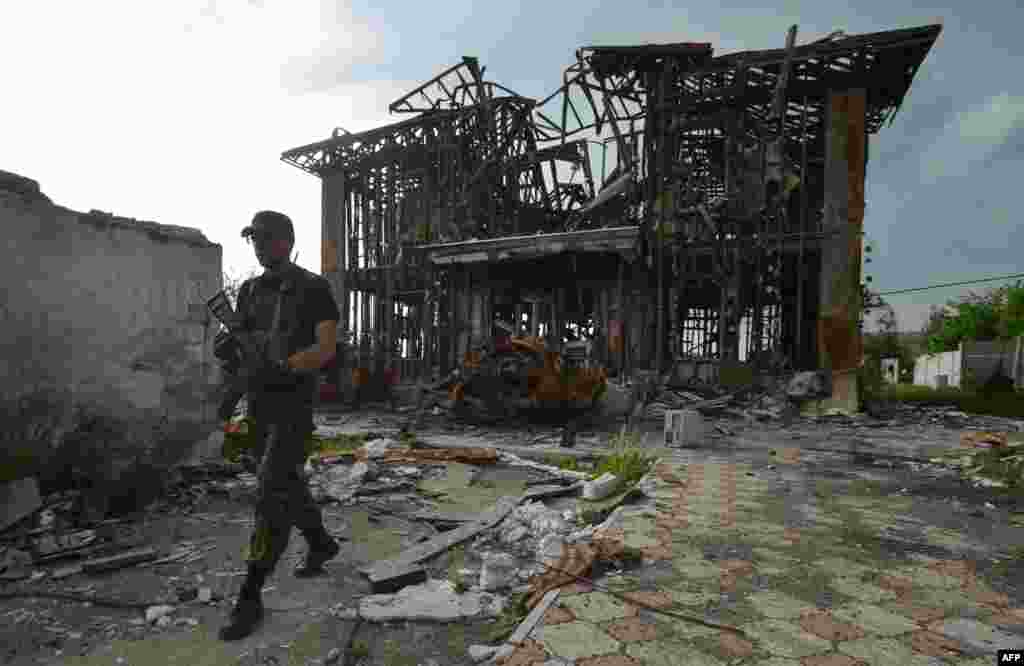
x,y
928,367
109,308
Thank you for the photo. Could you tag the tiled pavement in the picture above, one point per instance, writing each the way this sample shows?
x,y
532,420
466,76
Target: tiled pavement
x,y
803,580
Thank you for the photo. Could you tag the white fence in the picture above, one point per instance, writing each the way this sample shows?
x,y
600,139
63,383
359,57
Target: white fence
x,y
976,360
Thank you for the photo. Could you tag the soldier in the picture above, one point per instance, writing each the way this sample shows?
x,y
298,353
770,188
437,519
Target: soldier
x,y
299,306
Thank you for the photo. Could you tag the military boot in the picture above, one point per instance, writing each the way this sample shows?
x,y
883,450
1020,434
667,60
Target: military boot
x,y
322,548
248,610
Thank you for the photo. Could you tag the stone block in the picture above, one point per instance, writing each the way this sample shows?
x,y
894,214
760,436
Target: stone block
x,y
601,487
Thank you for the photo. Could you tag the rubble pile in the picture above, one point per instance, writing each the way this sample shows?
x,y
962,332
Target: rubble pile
x,y
988,459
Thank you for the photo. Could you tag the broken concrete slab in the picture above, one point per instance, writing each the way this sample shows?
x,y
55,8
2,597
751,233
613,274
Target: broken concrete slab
x,y
432,600
479,653
499,571
601,487
154,613
391,581
18,499
442,542
976,638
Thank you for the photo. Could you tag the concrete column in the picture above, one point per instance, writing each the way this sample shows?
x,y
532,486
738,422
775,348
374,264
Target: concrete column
x,y
839,338
332,243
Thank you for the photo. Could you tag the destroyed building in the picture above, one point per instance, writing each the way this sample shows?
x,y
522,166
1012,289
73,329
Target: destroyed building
x,y
723,230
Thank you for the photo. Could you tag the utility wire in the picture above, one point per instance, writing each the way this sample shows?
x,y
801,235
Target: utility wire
x,y
951,284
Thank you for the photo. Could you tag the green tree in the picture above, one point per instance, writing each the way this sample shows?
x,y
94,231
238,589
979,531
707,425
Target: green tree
x,y
991,315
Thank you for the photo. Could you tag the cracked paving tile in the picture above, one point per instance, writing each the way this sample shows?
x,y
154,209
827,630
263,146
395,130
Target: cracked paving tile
x,y
632,630
874,619
884,652
607,660
639,540
596,607
785,639
685,597
777,605
861,591
950,539
822,623
697,569
575,640
661,653
838,566
921,576
931,597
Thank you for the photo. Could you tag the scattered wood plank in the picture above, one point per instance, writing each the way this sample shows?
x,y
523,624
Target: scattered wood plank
x,y
543,493
531,620
119,561
420,552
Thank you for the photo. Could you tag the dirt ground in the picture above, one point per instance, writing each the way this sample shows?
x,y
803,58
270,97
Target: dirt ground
x,y
306,618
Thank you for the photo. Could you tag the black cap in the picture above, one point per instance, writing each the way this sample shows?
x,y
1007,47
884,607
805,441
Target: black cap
x,y
272,223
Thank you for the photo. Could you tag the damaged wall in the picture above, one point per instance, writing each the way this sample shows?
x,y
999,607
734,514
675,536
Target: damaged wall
x,y
108,309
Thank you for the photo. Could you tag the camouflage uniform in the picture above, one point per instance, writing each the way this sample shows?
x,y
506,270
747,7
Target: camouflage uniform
x,y
282,412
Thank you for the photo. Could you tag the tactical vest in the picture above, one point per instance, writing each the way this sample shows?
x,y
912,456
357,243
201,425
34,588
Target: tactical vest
x,y
261,297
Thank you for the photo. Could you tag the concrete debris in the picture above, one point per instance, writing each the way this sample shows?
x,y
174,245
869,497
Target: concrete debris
x,y
601,487
515,534
550,549
154,613
363,471
18,499
806,386
433,600
378,448
163,622
499,570
14,564
976,639
479,653
205,595
333,656
342,613
539,519
335,483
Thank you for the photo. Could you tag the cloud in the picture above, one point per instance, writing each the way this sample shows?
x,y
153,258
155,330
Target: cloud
x,y
971,137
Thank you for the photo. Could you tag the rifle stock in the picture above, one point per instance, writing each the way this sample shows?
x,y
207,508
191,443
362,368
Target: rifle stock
x,y
244,353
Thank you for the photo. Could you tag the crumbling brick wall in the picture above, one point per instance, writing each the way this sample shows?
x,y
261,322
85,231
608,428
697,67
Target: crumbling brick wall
x,y
108,312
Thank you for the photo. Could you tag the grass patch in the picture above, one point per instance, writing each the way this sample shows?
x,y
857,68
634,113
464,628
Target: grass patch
x,y
359,650
456,563
806,584
628,460
567,463
998,404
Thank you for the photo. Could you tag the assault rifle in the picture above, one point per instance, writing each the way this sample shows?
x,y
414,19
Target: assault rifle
x,y
248,357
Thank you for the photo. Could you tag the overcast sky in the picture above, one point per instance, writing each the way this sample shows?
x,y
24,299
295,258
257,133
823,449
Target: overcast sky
x,y
177,112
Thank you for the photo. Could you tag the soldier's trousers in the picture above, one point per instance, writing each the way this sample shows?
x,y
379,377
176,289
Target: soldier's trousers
x,y
282,422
